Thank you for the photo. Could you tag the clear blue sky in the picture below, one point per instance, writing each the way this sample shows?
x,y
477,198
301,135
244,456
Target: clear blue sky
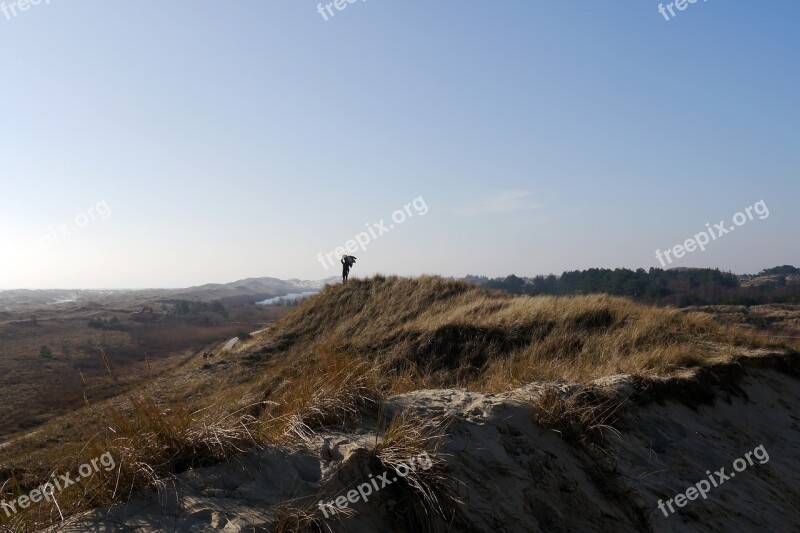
x,y
238,139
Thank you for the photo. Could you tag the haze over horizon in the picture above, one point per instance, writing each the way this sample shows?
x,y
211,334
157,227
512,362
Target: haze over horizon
x,y
202,144
331,278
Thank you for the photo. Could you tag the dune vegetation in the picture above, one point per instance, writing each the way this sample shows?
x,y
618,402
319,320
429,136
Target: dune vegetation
x,y
333,360
433,332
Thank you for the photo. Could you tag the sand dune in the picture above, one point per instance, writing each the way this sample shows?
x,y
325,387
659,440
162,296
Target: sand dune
x,y
512,474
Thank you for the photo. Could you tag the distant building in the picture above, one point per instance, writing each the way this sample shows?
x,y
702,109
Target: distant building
x,y
143,314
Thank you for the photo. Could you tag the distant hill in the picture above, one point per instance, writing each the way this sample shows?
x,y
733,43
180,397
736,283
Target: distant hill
x,y
250,289
245,290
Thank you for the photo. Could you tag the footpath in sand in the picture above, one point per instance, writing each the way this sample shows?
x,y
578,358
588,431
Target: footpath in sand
x,y
512,474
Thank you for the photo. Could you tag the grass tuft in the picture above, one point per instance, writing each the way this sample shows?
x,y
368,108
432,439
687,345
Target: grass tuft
x,y
424,492
585,417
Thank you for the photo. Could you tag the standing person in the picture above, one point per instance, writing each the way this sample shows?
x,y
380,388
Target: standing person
x,y
347,262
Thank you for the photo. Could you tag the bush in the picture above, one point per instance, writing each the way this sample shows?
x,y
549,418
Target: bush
x,y
45,352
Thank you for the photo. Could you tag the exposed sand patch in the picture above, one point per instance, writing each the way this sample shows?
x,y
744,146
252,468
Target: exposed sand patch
x,y
513,475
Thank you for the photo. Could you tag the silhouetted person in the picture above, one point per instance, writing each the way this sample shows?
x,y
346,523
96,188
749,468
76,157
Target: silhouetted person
x,y
347,262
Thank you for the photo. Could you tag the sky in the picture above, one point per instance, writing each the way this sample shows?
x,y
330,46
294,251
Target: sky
x,y
170,144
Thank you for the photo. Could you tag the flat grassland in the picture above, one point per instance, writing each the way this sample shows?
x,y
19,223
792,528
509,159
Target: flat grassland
x,y
54,359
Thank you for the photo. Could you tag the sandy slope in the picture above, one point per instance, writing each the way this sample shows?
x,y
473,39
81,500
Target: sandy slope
x,y
513,475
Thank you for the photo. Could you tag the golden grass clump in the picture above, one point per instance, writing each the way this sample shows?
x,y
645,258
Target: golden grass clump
x,y
584,417
333,398
149,445
424,491
290,519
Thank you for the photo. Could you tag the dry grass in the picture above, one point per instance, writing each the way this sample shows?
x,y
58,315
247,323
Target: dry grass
x,y
424,492
149,444
429,332
584,417
289,519
408,450
335,392
332,361
37,389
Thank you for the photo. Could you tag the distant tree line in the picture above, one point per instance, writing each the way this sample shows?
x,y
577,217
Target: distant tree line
x,y
681,287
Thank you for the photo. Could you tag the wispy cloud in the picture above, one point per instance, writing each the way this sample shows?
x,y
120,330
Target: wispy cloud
x,y
501,202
